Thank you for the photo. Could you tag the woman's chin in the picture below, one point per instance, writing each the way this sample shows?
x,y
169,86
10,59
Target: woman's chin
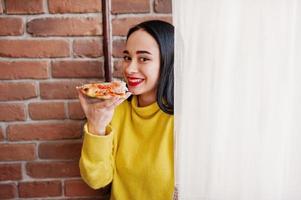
x,y
134,91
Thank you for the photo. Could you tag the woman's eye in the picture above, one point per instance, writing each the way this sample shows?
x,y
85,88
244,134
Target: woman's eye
x,y
126,58
143,59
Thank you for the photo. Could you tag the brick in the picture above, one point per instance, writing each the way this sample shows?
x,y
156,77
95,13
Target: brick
x,y
163,6
77,188
52,169
40,189
34,48
118,69
17,91
12,112
44,131
118,48
60,150
130,6
9,152
60,89
65,26
1,134
49,110
12,70
74,6
10,172
121,26
11,26
1,7
91,48
104,197
8,191
24,7
77,69
75,111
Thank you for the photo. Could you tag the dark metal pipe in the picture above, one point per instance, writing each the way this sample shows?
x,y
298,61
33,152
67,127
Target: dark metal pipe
x,y
107,48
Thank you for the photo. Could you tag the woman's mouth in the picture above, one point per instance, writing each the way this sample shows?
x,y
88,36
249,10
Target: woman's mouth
x,y
134,81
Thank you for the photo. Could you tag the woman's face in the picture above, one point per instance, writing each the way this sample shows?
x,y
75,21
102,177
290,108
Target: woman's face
x,y
141,64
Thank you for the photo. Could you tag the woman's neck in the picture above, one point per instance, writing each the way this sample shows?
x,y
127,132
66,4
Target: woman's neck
x,y
145,100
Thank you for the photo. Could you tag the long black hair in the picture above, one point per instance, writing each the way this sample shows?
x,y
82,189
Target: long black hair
x,y
163,33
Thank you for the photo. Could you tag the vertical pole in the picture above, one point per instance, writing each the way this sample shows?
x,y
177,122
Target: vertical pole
x,y
107,48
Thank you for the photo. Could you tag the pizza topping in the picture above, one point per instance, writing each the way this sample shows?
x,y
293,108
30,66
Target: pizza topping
x,y
104,90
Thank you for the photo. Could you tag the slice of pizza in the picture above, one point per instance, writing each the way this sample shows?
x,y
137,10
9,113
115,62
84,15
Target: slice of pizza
x,y
104,90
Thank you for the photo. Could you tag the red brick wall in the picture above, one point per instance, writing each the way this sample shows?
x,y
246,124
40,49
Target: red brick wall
x,y
47,47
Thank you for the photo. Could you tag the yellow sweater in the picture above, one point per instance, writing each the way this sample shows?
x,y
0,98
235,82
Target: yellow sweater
x,y
136,155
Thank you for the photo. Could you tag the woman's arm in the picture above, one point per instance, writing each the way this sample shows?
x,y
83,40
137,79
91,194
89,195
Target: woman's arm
x,y
96,162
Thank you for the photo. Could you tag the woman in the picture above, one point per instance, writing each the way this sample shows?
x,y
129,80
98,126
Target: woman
x,y
130,143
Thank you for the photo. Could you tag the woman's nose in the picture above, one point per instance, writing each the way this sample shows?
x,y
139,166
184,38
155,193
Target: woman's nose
x,y
131,67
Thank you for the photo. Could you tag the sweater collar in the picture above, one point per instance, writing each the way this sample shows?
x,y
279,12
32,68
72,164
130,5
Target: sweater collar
x,y
146,111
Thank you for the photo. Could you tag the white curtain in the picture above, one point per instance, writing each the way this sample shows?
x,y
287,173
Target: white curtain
x,y
238,99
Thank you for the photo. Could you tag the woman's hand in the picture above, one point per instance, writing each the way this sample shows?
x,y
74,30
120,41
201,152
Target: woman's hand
x,y
99,112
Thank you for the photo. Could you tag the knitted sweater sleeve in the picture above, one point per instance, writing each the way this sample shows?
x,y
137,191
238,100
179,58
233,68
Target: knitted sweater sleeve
x,y
96,162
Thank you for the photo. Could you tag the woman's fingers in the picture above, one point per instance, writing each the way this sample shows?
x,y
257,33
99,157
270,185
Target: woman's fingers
x,y
120,100
91,100
82,100
87,102
106,103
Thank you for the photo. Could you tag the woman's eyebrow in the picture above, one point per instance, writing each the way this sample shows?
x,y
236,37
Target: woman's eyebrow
x,y
137,52
142,52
